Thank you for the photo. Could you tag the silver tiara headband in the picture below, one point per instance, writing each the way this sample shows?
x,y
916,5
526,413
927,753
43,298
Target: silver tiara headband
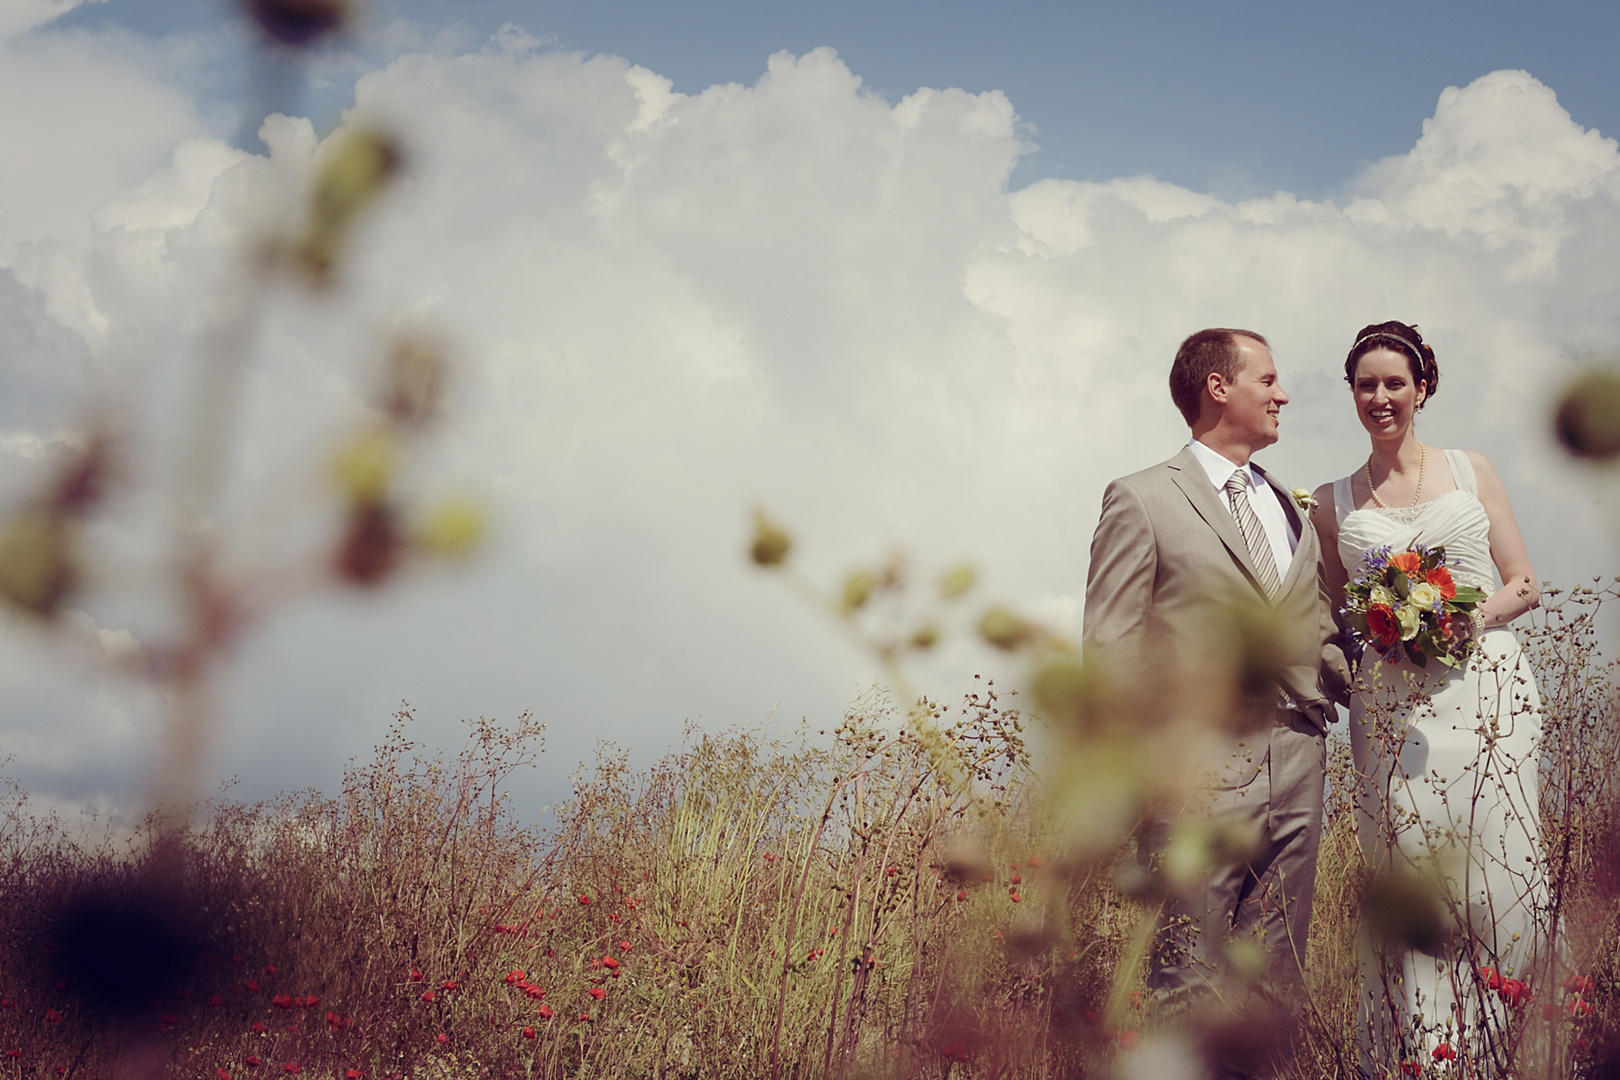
x,y
1417,352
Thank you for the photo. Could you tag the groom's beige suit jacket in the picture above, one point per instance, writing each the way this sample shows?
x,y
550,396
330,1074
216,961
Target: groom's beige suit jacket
x,y
1167,561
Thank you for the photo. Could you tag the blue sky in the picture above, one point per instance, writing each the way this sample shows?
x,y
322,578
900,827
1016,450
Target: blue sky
x,y
688,262
1238,99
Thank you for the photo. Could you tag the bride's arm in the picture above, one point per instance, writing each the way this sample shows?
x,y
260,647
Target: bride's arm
x,y
1520,591
1340,653
1326,522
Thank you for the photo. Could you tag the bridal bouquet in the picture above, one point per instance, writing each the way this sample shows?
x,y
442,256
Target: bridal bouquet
x,y
1406,604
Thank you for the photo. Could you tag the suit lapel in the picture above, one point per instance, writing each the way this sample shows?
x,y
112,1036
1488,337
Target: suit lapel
x,y
1194,483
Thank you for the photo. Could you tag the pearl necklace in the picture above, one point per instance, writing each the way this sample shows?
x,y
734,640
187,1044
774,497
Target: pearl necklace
x,y
1423,461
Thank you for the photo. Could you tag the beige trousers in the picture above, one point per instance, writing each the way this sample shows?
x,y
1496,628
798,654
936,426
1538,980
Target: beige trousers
x,y
1266,899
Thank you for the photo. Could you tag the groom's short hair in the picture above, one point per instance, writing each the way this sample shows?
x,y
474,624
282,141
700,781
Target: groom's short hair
x,y
1213,350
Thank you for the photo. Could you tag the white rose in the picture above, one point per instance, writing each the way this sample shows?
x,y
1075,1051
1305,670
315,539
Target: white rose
x,y
1381,595
1410,618
1424,595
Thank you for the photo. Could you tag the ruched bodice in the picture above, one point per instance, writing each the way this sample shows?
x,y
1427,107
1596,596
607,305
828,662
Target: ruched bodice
x,y
1456,521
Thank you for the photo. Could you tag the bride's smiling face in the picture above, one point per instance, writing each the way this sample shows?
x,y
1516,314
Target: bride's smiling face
x,y
1386,393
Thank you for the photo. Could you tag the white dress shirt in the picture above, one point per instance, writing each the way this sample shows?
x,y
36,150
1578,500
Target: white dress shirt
x,y
1262,496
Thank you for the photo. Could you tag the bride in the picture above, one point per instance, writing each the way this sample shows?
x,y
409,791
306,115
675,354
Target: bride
x,y
1446,758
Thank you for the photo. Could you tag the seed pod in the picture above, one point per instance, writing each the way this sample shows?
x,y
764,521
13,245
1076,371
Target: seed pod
x,y
414,382
1404,909
857,591
371,544
771,545
1587,420
299,23
957,580
38,569
364,469
83,479
355,172
1003,629
452,528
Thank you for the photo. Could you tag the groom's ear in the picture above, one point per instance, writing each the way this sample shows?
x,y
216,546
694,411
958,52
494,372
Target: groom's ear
x,y
1215,385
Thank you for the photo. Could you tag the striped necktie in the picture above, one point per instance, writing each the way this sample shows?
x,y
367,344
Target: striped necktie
x,y
1254,534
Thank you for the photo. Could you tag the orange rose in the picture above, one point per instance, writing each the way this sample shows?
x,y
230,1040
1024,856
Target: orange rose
x,y
1440,578
1407,562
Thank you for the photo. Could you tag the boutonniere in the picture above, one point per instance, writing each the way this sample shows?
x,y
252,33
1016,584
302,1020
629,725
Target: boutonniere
x,y
1307,501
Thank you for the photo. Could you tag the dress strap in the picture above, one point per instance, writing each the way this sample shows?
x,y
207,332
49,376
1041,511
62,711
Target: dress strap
x,y
1462,471
1342,499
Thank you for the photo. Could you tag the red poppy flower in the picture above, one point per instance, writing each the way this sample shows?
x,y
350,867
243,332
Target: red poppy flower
x,y
450,984
1489,976
584,901
416,976
1411,1068
215,1001
311,1001
167,1021
52,1016
534,992
1514,992
253,1061
221,1074
545,1012
1579,1008
1127,1039
624,946
282,1001
610,963
252,985
13,1053
1444,1052
269,969
1578,984
352,1074
292,1067
515,976
257,1027
337,1021
443,1038
598,993
528,1033
1017,878
1013,893
1036,862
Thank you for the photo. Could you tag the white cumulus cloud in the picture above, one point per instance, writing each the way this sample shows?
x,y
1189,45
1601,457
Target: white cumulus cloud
x,y
670,307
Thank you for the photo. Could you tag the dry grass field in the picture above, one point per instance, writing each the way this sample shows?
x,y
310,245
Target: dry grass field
x,y
850,903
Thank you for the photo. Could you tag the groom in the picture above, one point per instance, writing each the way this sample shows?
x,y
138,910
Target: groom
x,y
1177,544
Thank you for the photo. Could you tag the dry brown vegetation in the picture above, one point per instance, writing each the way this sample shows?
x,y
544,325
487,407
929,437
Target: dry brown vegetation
x,y
870,903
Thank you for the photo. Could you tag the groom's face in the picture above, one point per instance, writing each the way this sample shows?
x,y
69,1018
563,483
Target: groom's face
x,y
1254,397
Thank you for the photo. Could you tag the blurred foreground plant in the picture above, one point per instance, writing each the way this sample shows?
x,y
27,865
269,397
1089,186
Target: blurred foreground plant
x,y
46,567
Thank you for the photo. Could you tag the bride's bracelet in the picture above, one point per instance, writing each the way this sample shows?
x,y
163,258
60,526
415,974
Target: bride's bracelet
x,y
1476,621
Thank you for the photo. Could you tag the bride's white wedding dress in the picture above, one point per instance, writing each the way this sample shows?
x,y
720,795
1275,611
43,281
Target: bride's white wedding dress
x,y
1448,763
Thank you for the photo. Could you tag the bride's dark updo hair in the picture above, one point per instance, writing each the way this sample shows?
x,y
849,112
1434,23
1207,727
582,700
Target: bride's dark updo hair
x,y
1402,339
